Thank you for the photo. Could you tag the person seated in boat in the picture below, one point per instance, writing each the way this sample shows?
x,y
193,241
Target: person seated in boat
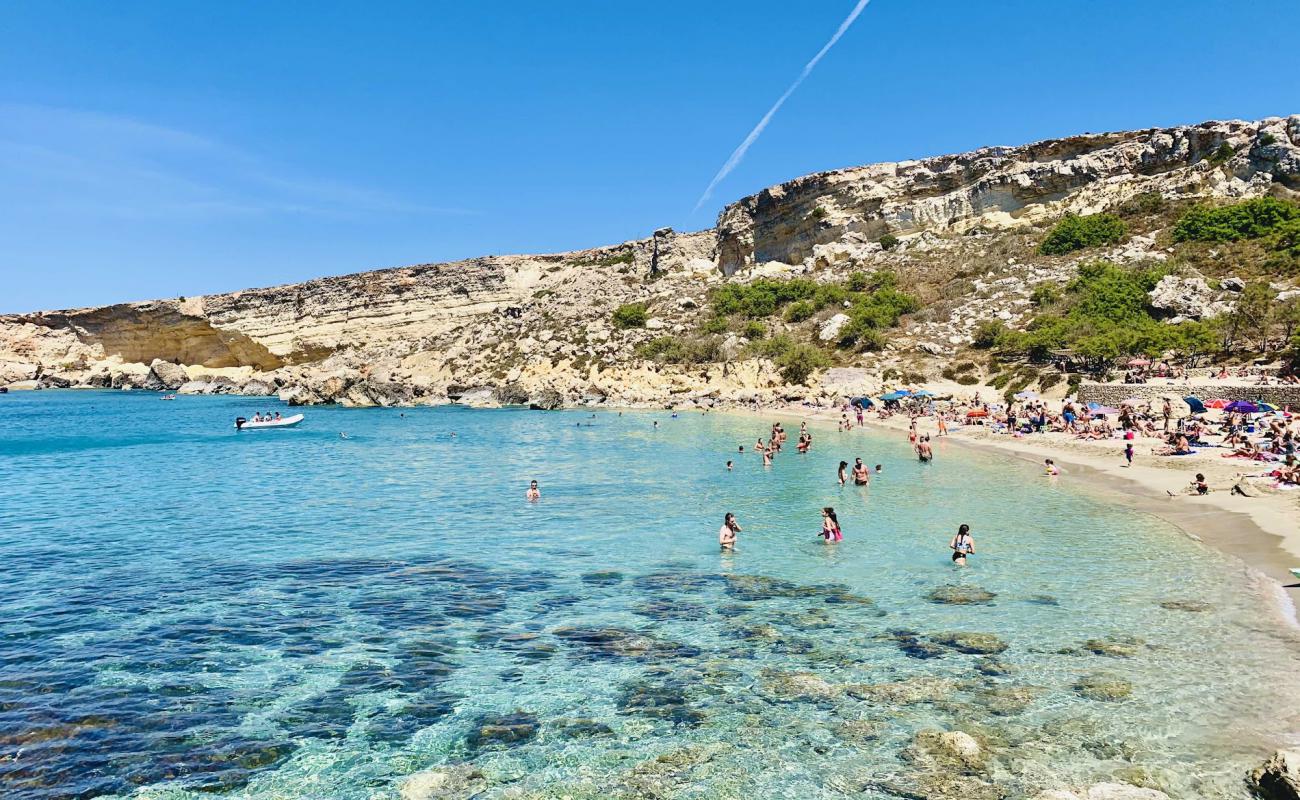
x,y
257,416
277,416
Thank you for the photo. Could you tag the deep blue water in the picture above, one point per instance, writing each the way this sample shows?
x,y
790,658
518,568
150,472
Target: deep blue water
x,y
290,614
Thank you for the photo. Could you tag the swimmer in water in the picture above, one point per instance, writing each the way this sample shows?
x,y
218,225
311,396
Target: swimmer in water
x,y
742,448
1050,467
728,466
533,492
962,545
342,435
767,457
843,476
727,533
861,475
830,526
879,469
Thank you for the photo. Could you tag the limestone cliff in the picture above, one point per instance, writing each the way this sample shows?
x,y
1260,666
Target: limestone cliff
x,y
521,327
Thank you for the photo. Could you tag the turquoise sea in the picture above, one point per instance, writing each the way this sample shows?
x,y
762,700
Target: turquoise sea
x,y
191,610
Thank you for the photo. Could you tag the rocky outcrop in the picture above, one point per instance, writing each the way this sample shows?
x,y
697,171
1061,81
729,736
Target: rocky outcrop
x,y
999,186
1278,778
537,329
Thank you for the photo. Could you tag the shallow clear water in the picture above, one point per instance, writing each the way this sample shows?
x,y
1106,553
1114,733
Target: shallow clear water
x,y
288,614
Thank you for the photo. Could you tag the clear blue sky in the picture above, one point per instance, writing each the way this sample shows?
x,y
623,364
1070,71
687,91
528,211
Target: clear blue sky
x,y
156,148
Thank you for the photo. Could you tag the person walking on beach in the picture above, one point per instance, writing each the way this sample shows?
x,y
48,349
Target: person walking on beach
x,y
533,492
861,475
830,526
1128,453
962,545
727,533
843,476
943,424
1167,411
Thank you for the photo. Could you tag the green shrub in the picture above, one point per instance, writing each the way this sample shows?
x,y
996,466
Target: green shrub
x,y
889,241
1045,294
1267,139
800,311
772,348
967,380
858,282
801,361
754,330
630,315
819,213
965,366
714,325
1221,154
1249,219
1286,238
988,333
882,279
675,350
1075,232
762,297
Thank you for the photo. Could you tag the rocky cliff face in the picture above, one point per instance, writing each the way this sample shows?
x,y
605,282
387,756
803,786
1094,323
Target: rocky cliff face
x,y
521,327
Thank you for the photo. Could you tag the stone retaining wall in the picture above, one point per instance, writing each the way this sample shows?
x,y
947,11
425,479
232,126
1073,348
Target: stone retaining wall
x,y
1111,394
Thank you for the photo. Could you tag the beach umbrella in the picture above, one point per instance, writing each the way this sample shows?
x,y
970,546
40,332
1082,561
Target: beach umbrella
x,y
863,402
1241,407
979,412
894,396
1195,404
1132,401
1266,407
1026,395
923,393
1217,402
1138,362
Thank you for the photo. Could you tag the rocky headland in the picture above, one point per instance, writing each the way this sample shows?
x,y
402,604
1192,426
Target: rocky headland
x,y
961,232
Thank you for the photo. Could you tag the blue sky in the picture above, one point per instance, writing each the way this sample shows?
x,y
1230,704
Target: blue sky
x,y
154,149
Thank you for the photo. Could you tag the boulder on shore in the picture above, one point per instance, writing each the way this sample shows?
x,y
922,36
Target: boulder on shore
x,y
167,375
1278,778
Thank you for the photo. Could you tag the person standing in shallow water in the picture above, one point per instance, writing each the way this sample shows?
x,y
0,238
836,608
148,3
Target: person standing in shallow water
x,y
533,492
727,533
831,526
843,476
962,545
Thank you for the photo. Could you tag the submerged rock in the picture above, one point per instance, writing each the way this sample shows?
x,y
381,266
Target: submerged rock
x,y
604,578
800,686
992,666
969,642
913,690
580,728
621,643
1008,700
947,749
1116,647
660,701
1278,778
858,731
1103,687
452,783
1193,606
950,594
1104,791
502,731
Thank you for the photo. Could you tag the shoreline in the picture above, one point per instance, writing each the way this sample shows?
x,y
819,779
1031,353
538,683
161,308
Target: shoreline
x,y
1260,532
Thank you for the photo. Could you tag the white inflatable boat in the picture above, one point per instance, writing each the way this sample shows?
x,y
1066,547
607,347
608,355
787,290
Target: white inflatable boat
x,y
242,424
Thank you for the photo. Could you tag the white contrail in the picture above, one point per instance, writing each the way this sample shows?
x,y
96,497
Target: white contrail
x,y
739,152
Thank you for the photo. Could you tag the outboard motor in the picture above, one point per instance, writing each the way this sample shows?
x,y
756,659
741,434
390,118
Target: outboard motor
x,y
239,423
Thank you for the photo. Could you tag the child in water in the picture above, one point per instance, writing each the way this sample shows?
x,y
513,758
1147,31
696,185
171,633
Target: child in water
x,y
831,526
1050,468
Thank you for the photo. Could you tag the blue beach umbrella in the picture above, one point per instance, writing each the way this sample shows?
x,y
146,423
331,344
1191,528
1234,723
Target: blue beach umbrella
x,y
1266,407
923,393
894,396
1195,404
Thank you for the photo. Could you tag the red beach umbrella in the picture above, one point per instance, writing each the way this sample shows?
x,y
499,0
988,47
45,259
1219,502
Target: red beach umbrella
x,y
1217,402
979,412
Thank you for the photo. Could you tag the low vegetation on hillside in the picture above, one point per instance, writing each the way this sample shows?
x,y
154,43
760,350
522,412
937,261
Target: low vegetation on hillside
x,y
1076,232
